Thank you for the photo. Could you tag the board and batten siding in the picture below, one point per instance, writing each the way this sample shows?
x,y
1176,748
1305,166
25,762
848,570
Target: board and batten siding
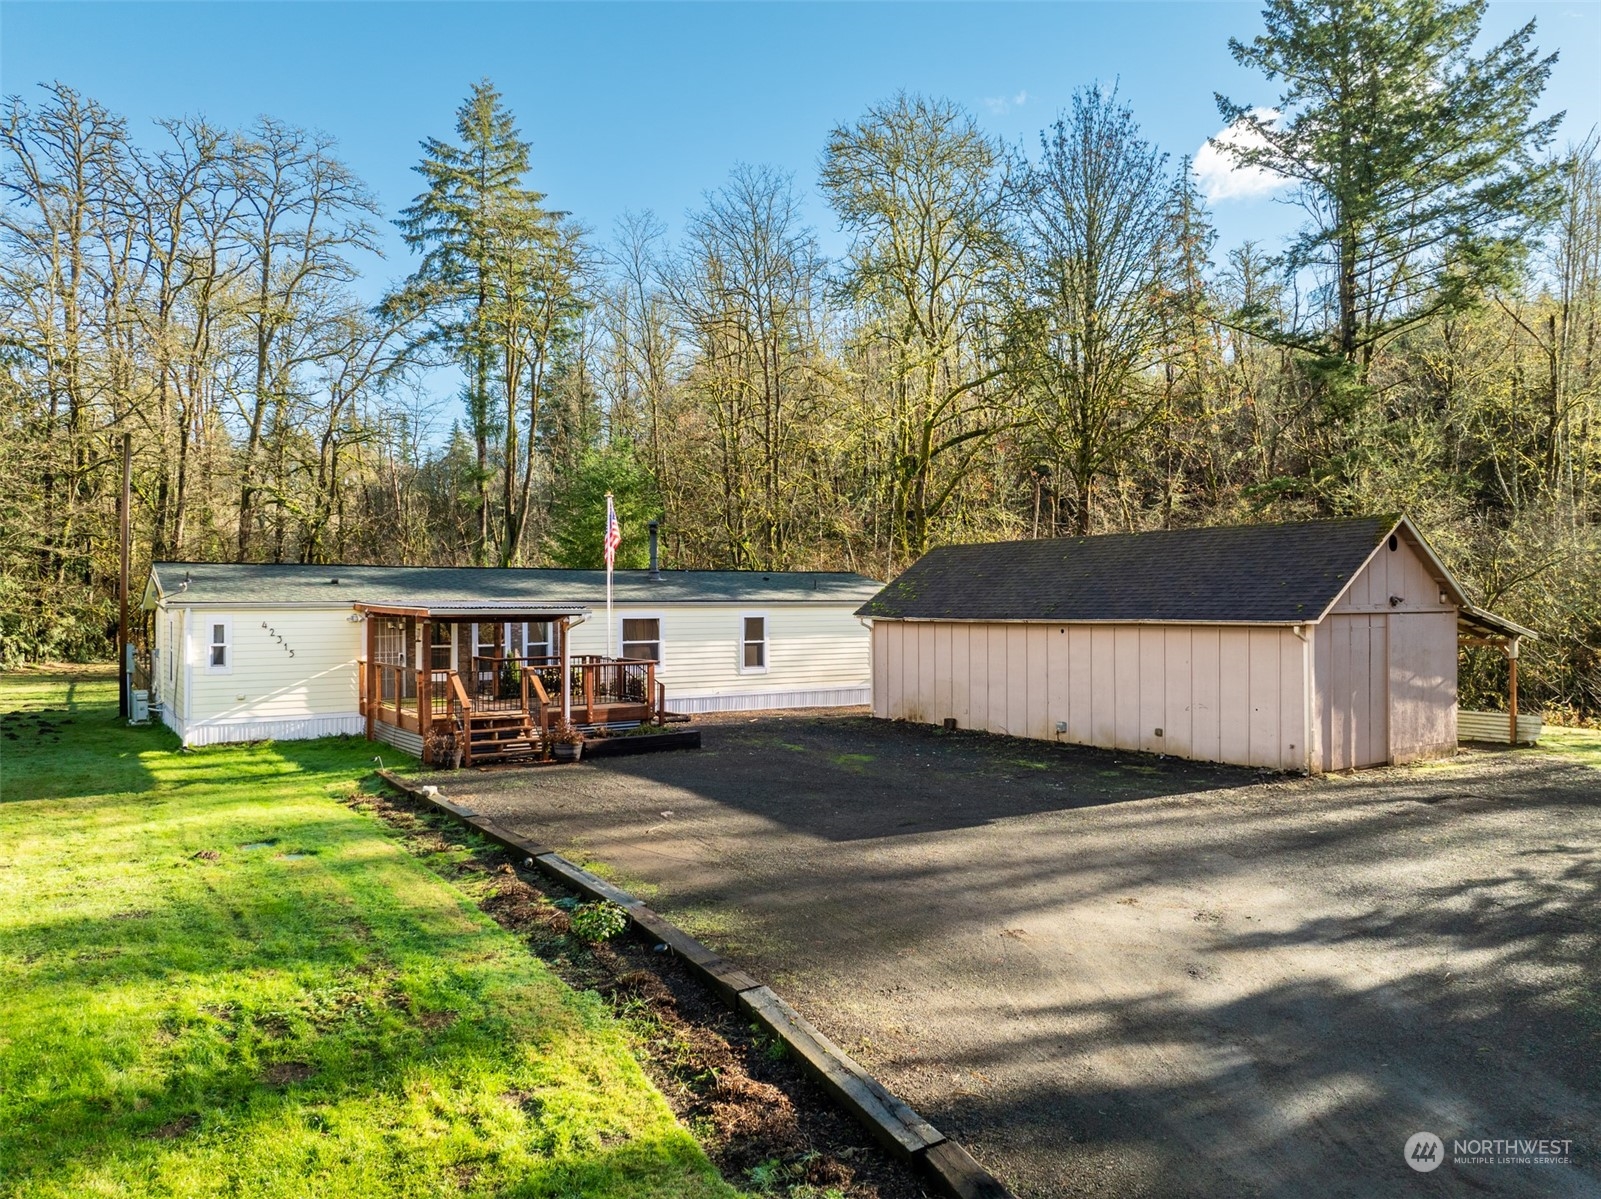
x,y
1385,666
1219,693
268,693
817,654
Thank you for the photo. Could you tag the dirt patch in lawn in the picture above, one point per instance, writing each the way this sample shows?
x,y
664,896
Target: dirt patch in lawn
x,y
287,1073
760,1119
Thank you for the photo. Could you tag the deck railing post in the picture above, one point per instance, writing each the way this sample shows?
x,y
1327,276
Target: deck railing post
x,y
650,692
425,708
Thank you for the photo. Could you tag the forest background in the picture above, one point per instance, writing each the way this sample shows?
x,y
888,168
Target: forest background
x,y
1030,340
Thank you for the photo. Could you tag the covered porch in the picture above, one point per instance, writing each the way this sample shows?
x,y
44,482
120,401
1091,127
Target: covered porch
x,y
1481,629
467,686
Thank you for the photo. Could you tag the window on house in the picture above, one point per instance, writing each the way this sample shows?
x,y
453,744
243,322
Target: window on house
x,y
753,645
439,635
220,655
642,637
537,639
491,640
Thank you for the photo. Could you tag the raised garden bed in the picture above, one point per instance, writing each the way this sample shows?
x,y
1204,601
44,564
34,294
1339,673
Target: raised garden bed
x,y
642,743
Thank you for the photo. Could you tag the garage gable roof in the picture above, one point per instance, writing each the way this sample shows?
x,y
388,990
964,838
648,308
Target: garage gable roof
x,y
1244,574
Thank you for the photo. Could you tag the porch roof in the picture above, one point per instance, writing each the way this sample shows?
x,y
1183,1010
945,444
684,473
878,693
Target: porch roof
x,y
486,611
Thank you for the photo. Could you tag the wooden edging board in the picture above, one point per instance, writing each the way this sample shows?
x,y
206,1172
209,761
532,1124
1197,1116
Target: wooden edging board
x,y
895,1125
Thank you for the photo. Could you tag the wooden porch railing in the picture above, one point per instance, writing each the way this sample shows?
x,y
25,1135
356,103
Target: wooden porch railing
x,y
597,683
426,701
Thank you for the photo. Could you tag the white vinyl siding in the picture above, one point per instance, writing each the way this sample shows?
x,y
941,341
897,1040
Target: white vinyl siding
x,y
817,650
268,682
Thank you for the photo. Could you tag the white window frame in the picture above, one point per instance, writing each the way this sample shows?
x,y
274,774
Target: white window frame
x,y
549,642
766,643
227,642
661,634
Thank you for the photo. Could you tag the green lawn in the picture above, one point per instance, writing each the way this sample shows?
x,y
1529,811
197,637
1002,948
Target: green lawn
x,y
1581,744
310,1012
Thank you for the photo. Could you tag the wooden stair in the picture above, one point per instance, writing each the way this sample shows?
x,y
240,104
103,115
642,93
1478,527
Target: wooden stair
x,y
500,737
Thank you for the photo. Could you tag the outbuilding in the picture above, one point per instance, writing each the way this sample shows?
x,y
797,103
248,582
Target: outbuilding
x,y
1313,646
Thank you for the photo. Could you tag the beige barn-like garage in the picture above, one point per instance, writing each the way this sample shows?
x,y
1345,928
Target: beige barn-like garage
x,y
1315,646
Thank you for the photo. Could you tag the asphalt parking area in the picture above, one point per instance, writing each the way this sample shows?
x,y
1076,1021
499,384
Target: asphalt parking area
x,y
1115,975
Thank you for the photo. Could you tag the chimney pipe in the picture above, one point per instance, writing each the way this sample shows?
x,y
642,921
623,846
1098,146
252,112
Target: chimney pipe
x,y
655,565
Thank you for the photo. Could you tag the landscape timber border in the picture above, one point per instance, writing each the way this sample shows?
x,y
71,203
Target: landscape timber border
x,y
903,1132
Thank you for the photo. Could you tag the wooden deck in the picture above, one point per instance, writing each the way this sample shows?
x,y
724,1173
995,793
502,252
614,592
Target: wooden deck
x,y
507,708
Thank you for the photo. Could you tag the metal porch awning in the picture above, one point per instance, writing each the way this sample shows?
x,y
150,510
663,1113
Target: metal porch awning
x,y
477,610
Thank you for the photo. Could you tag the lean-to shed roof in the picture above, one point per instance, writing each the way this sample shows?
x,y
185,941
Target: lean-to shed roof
x,y
1246,574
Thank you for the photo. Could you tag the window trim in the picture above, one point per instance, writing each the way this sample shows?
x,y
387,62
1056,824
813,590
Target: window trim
x,y
661,632
227,642
766,643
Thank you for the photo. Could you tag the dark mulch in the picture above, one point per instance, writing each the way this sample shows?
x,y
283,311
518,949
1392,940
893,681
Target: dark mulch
x,y
752,1108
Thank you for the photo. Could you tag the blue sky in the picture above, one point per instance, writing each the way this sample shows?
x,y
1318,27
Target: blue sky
x,y
635,106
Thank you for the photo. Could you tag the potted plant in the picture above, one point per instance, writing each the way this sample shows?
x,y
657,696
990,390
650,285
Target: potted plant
x,y
567,743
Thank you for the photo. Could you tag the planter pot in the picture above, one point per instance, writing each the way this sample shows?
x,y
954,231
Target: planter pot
x,y
568,752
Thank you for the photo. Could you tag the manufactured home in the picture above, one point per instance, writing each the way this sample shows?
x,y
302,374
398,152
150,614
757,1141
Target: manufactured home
x,y
487,661
1315,646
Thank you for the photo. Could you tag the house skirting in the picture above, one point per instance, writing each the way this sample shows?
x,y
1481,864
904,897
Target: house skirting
x,y
755,701
289,728
402,739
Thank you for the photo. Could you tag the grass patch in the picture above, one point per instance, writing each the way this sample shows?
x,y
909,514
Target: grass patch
x,y
1582,745
220,980
852,762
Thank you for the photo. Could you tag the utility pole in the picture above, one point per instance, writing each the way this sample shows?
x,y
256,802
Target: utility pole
x,y
124,672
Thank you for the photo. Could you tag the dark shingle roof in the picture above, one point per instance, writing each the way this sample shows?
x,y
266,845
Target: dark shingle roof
x,y
444,586
1268,574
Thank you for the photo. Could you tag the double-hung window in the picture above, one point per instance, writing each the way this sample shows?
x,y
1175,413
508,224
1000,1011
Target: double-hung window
x,y
642,637
753,645
219,649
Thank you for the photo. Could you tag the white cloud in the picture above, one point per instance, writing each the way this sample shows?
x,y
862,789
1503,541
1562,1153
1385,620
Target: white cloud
x,y
1221,177
999,104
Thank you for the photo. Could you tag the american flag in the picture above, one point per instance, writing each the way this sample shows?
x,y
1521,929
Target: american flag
x,y
614,533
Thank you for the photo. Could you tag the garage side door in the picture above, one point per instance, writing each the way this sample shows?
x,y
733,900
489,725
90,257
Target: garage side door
x,y
1353,678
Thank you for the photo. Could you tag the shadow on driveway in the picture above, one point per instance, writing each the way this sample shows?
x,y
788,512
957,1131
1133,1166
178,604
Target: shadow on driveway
x,y
851,778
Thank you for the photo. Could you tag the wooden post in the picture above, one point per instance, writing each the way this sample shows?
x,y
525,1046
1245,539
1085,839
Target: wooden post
x,y
650,692
425,708
589,693
372,675
1512,690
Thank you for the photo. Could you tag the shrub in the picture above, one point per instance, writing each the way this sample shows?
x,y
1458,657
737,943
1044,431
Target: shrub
x,y
599,921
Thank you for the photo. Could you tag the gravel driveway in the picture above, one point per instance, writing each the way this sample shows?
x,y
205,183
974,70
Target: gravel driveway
x,y
1116,975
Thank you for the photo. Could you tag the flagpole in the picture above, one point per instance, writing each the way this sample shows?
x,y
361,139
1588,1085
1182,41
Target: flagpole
x,y
610,516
